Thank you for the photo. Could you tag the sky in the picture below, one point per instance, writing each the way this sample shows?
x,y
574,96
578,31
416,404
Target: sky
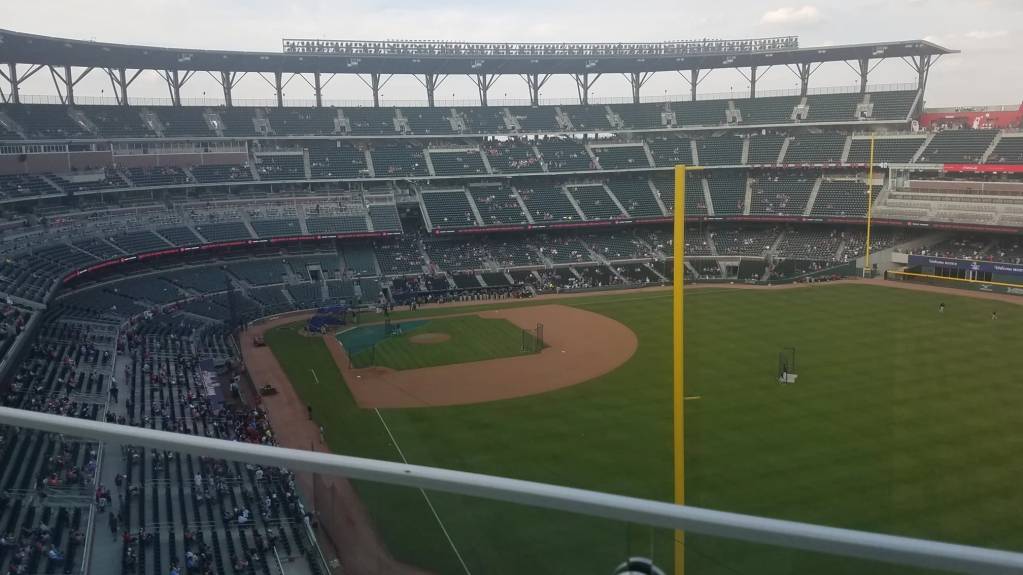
x,y
988,32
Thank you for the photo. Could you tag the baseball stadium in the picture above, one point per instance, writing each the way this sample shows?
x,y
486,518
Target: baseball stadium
x,y
771,331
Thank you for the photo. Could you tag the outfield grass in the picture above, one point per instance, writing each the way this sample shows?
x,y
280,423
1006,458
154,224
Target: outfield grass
x,y
903,421
472,338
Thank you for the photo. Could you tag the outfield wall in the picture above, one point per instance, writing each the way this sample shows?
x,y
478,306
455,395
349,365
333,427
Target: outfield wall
x,y
971,285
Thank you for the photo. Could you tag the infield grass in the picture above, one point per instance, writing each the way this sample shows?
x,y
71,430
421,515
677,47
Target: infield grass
x,y
903,421
472,338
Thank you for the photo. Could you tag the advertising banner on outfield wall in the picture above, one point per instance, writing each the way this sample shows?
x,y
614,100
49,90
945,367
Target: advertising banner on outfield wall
x,y
997,268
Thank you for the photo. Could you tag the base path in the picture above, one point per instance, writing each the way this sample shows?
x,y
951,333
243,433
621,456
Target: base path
x,y
357,546
581,345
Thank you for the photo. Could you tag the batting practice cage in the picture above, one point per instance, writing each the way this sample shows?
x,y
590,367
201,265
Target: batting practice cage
x,y
532,339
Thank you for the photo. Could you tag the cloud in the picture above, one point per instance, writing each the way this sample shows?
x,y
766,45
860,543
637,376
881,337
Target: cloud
x,y
806,14
986,34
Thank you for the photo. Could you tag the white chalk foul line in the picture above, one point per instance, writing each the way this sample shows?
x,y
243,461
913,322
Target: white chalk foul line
x,y
425,496
314,376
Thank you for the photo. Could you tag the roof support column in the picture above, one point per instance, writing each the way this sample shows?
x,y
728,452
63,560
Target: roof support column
x,y
804,78
583,85
863,70
175,88
636,80
69,86
483,83
120,83
803,71
278,84
752,78
534,82
693,80
227,83
431,82
374,85
317,85
374,79
12,79
922,66
15,81
68,81
175,81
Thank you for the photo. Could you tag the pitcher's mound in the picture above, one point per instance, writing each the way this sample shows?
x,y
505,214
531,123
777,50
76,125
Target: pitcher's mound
x,y
429,338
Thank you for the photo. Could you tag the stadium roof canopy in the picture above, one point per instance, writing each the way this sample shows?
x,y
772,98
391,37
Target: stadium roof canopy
x,y
419,57
435,58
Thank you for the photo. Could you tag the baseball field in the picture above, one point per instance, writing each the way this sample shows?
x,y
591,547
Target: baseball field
x,y
903,420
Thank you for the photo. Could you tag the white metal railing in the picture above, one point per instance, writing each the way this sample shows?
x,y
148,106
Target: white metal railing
x,y
790,534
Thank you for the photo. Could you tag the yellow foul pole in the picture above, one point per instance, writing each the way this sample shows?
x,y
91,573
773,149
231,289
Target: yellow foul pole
x,y
870,206
678,423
